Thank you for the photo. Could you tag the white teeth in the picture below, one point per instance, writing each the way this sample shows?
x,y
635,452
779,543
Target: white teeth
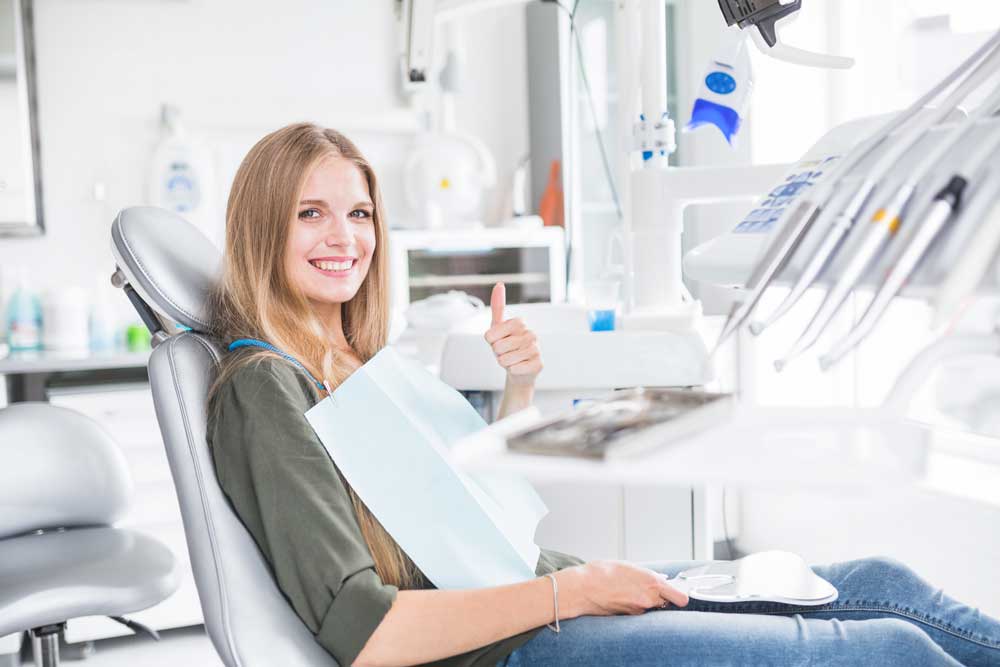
x,y
333,266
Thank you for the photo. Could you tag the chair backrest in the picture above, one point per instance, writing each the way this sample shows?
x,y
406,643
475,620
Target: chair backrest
x,y
58,469
170,266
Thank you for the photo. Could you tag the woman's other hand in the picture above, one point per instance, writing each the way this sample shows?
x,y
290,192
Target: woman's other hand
x,y
607,588
514,345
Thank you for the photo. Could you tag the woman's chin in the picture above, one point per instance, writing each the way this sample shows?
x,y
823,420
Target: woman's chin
x,y
329,298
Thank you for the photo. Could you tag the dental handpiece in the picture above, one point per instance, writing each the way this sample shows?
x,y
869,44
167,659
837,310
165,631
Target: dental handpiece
x,y
798,220
885,223
976,260
843,224
953,138
786,240
820,257
941,210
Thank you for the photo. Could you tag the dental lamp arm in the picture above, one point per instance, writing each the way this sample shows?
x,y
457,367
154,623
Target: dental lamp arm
x,y
766,15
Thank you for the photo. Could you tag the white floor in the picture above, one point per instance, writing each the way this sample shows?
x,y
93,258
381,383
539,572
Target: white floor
x,y
185,646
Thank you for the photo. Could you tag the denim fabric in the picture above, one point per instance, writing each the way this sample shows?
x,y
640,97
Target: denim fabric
x,y
885,615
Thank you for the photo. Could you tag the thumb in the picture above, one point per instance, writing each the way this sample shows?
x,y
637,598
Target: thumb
x,y
498,299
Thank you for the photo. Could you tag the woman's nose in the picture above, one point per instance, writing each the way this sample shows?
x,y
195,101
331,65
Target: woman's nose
x,y
339,232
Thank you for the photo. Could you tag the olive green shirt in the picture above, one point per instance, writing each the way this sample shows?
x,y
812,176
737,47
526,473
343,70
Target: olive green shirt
x,y
291,497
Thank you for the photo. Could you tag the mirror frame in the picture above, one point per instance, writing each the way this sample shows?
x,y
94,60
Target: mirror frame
x,y
24,38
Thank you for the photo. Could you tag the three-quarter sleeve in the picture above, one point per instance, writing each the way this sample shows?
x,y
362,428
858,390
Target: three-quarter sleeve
x,y
293,501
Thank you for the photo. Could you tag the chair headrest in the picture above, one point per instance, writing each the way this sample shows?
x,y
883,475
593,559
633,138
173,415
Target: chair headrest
x,y
168,262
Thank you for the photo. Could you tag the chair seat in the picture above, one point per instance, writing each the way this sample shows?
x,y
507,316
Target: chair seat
x,y
102,571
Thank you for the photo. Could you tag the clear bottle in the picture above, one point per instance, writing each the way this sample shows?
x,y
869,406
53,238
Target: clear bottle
x,y
103,317
23,316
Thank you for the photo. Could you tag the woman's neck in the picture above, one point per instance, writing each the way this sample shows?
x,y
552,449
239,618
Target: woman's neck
x,y
330,318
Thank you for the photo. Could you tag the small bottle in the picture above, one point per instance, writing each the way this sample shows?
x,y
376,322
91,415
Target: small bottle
x,y
24,317
103,318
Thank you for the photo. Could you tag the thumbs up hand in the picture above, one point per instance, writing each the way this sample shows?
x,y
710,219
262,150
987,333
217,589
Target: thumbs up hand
x,y
515,346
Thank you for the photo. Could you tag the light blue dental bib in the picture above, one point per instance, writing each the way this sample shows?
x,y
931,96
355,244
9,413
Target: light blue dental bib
x,y
388,428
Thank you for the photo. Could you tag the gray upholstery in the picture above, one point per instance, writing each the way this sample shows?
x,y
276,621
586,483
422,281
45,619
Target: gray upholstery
x,y
168,261
248,619
63,481
56,482
53,577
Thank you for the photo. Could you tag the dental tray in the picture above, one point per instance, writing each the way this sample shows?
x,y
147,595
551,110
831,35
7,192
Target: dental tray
x,y
627,423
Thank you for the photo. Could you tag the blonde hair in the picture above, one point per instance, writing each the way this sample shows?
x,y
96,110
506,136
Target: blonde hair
x,y
256,299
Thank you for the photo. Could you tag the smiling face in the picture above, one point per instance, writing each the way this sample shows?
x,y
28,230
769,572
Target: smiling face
x,y
331,240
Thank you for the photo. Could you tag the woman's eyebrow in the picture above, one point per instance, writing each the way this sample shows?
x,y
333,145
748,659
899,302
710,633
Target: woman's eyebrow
x,y
364,204
313,202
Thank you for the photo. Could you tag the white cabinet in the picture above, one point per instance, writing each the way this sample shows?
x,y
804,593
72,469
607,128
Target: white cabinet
x,y
126,412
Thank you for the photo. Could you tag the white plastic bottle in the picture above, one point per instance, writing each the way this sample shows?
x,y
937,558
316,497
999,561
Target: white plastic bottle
x,y
182,177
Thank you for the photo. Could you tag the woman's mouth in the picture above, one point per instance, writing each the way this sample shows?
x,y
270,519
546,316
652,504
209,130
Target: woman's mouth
x,y
334,268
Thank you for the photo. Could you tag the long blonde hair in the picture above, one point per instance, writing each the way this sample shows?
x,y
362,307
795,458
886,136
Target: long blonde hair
x,y
255,298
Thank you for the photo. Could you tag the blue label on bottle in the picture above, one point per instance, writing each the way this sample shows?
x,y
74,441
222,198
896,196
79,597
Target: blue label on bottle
x,y
181,193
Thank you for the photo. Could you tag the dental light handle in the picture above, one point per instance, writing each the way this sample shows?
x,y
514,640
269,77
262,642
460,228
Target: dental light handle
x,y
797,56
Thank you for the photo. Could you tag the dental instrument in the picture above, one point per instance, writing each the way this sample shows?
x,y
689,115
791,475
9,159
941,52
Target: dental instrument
x,y
887,219
845,221
797,220
977,259
941,210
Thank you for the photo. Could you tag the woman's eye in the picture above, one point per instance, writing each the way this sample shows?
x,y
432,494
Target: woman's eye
x,y
361,213
310,214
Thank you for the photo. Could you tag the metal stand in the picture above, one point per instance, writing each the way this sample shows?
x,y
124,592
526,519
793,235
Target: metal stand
x,y
45,644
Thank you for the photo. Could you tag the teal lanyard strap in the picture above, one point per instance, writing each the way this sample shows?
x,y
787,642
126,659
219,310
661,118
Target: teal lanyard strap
x,y
253,342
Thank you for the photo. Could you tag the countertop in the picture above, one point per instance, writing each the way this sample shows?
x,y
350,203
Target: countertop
x,y
50,361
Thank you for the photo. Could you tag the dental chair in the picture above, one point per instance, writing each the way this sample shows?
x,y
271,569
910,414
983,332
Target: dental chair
x,y
166,268
63,484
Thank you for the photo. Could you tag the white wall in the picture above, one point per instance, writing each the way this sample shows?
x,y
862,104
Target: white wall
x,y
493,104
236,70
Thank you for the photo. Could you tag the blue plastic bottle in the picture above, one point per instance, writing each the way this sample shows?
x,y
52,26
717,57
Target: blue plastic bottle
x,y
24,318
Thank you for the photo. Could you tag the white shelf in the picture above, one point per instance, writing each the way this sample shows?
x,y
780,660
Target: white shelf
x,y
47,361
479,279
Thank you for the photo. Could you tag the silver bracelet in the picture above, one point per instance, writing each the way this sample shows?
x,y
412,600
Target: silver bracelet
x,y
555,602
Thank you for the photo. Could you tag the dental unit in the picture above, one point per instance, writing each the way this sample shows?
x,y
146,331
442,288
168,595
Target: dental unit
x,y
887,219
943,209
811,210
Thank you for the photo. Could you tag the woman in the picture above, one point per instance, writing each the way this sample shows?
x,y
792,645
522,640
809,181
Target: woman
x,y
306,271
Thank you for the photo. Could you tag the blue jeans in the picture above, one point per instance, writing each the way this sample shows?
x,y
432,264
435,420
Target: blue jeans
x,y
885,615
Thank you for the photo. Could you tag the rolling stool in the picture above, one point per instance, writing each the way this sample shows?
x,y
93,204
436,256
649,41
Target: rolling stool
x,y
63,483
